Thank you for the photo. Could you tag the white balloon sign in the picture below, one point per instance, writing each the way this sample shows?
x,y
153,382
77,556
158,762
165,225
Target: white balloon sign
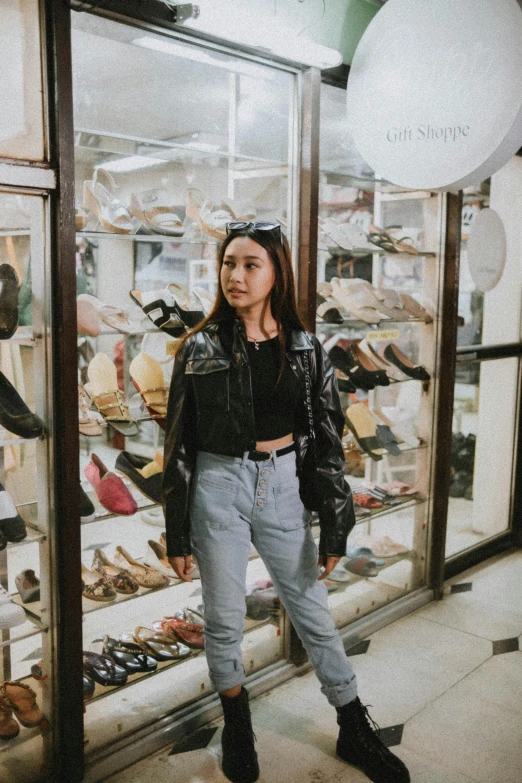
x,y
486,249
434,94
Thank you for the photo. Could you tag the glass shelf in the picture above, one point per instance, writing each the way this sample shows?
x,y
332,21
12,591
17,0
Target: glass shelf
x,y
147,238
33,620
164,151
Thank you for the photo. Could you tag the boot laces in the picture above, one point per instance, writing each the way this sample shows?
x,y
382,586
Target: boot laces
x,y
369,730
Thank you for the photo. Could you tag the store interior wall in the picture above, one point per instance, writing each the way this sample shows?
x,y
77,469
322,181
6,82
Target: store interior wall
x,y
497,405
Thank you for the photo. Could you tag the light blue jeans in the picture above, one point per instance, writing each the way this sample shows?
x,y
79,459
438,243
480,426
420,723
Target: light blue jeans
x,y
235,501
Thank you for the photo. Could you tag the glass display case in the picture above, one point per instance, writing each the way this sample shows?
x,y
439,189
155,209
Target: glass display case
x,y
379,263
172,141
26,503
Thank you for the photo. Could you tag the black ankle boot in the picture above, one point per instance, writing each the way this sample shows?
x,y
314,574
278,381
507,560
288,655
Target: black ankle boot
x,y
239,754
359,744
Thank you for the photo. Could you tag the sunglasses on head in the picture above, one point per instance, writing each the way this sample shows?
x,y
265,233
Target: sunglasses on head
x,y
258,226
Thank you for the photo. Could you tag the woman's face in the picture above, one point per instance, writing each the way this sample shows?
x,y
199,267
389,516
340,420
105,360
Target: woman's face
x,y
247,275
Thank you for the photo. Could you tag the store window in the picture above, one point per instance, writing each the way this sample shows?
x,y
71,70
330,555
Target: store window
x,y
21,118
172,141
26,583
378,280
486,388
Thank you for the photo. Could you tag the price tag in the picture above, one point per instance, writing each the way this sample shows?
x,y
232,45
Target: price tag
x,y
170,348
383,335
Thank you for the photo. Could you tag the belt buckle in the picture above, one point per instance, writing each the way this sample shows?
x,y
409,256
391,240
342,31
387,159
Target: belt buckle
x,y
268,455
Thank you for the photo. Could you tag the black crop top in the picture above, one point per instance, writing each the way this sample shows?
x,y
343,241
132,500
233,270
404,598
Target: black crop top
x,y
275,404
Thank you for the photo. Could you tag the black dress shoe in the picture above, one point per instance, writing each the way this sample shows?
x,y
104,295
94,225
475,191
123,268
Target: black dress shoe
x,y
11,523
15,416
130,465
87,510
8,301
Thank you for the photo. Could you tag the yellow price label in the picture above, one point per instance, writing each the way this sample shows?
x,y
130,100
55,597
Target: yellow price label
x,y
383,335
170,348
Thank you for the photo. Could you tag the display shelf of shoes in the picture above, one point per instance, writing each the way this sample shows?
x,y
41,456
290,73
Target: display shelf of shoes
x,y
106,690
203,239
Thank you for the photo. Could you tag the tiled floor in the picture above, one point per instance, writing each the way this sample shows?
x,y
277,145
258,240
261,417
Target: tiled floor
x,y
436,675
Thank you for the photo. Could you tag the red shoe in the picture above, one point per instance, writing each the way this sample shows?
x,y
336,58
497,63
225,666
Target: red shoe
x,y
190,634
110,489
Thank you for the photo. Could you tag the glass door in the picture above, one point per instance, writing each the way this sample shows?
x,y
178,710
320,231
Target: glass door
x,y
379,263
486,396
172,141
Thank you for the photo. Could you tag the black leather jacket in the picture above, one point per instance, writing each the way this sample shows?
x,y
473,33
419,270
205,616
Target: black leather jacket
x,y
210,409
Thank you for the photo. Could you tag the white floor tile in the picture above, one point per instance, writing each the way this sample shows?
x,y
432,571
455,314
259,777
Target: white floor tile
x,y
475,615
472,735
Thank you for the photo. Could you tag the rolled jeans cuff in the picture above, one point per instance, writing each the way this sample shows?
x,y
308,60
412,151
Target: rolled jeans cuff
x,y
231,674
339,695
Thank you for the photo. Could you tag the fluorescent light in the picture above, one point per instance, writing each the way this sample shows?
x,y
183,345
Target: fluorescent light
x,y
276,39
130,163
199,55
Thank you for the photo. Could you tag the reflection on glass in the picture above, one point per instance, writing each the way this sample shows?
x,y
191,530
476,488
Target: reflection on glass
x,y
21,118
484,415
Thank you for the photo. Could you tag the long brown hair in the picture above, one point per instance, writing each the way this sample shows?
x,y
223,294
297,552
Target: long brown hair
x,y
282,298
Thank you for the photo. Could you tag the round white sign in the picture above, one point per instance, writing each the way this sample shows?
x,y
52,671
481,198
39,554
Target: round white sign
x,y
486,249
434,98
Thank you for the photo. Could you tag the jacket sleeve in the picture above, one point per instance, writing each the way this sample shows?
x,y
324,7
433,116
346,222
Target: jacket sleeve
x,y
336,513
179,459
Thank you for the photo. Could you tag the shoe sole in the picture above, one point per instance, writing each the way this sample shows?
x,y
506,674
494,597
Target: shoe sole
x,y
126,475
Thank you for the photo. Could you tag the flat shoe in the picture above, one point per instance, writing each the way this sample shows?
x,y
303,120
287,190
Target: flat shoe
x,y
11,523
96,587
118,578
110,489
28,586
8,301
144,575
146,476
103,669
15,416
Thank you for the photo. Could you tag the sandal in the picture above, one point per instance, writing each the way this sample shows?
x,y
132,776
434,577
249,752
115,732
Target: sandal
x,y
87,423
161,646
99,199
358,550
389,303
415,309
356,296
96,587
115,317
103,669
190,634
107,397
118,578
395,356
362,565
363,425
384,546
129,655
149,380
154,209
366,501
168,309
349,236
22,700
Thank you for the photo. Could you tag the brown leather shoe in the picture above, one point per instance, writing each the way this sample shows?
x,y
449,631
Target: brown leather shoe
x,y
22,699
9,728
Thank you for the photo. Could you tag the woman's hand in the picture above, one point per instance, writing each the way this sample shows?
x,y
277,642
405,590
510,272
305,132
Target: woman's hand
x,y
182,566
328,562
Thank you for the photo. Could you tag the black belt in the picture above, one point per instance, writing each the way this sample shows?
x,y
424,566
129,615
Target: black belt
x,y
263,456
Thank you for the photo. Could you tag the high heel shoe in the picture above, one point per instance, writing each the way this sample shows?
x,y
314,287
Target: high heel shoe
x,y
154,209
99,199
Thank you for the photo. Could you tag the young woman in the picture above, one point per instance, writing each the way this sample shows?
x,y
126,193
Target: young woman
x,y
237,431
